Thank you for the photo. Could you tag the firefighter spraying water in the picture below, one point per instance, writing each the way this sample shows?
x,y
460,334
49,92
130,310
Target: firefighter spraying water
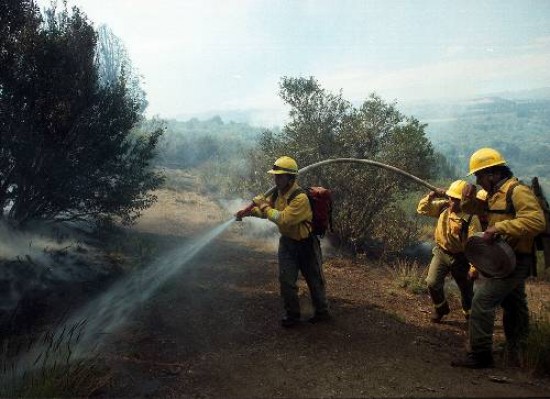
x,y
246,211
302,216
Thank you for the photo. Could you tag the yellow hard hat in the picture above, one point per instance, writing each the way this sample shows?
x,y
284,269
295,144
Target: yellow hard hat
x,y
482,195
485,158
284,166
455,189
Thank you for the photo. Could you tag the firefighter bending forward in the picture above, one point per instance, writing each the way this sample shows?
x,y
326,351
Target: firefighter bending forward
x,y
518,227
299,250
453,229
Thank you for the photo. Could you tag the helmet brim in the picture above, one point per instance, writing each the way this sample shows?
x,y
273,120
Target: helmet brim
x,y
280,172
452,195
485,167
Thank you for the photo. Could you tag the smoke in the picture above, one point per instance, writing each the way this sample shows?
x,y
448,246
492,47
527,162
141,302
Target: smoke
x,y
110,310
34,260
37,245
253,227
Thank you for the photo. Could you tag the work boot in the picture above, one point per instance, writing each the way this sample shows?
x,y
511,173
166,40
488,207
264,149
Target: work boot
x,y
480,360
290,320
320,317
440,311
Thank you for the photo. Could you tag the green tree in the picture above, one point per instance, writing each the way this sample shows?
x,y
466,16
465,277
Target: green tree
x,y
324,125
70,143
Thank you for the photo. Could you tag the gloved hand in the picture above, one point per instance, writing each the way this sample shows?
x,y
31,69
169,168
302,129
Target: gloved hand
x,y
256,212
490,233
473,274
261,202
243,213
439,193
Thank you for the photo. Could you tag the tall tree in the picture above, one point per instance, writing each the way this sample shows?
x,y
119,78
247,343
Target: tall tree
x,y
323,125
70,143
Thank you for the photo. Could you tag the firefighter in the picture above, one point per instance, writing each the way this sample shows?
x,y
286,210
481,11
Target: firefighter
x,y
299,249
452,230
518,227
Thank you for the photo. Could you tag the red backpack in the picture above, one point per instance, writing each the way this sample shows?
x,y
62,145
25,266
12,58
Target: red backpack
x,y
320,200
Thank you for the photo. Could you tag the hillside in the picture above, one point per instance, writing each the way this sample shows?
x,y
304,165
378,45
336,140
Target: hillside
x,y
516,123
517,126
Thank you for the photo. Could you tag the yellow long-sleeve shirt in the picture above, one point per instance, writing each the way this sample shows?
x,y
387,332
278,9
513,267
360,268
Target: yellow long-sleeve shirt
x,y
449,224
519,230
293,219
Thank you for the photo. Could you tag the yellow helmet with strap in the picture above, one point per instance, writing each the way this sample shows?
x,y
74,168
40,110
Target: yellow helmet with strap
x,y
455,189
485,158
284,166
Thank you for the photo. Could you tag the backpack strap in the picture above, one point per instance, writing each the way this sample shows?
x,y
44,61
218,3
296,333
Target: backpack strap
x,y
444,208
464,228
510,209
293,195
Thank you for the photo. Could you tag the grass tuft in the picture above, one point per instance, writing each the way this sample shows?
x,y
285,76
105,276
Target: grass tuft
x,y
44,365
410,275
537,352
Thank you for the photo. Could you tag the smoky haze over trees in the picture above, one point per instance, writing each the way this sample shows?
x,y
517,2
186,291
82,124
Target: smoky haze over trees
x,y
70,109
193,143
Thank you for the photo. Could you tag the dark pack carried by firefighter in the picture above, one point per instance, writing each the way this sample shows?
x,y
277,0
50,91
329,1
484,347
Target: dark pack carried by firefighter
x,y
299,249
518,228
452,230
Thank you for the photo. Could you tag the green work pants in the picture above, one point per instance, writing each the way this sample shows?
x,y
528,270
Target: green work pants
x,y
441,265
509,293
301,256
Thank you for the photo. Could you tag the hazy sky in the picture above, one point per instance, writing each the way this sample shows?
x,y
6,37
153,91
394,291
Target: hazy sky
x,y
204,55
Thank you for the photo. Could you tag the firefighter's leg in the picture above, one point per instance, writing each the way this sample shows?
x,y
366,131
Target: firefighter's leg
x,y
438,269
288,276
459,271
311,265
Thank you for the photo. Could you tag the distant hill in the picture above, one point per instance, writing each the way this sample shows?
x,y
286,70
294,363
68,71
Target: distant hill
x,y
257,117
536,94
193,142
517,124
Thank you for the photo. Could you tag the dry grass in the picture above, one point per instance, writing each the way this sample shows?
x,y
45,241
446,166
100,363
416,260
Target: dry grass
x,y
409,275
537,356
44,365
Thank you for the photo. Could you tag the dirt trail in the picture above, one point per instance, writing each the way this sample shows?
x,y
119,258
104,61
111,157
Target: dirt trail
x,y
213,331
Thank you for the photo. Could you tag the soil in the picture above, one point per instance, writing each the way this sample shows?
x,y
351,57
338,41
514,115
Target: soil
x,y
214,330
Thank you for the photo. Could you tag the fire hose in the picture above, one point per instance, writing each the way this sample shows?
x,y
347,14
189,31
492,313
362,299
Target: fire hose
x,y
344,160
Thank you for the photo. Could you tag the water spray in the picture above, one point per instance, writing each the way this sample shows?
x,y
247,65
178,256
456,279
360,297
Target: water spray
x,y
316,165
88,328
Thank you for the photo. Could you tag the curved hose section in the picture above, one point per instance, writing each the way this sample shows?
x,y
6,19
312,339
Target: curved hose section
x,y
362,161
